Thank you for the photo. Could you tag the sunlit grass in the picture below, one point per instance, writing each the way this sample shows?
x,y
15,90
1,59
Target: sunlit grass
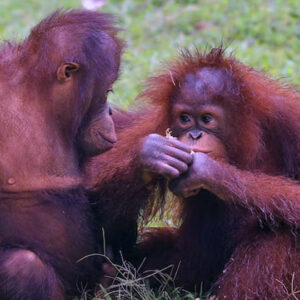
x,y
131,284
264,34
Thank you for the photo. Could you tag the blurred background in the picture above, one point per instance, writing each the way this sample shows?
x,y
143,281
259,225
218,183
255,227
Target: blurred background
x,y
262,33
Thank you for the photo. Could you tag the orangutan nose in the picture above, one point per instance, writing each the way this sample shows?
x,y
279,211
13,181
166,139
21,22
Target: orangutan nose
x,y
195,134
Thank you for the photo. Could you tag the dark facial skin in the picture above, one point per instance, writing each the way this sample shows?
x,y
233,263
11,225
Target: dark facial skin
x,y
99,135
196,122
96,133
199,121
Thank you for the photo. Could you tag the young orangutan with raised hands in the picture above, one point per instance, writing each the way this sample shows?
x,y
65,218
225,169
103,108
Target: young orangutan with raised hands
x,y
239,190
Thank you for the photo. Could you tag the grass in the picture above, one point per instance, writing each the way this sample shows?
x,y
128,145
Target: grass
x,y
262,33
129,284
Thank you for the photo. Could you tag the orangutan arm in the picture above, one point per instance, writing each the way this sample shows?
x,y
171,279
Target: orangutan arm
x,y
273,198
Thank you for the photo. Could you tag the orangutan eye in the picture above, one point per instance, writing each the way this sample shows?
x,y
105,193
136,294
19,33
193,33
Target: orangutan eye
x,y
207,118
110,90
184,118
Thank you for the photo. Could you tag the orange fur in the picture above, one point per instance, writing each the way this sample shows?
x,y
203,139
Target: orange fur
x,y
250,213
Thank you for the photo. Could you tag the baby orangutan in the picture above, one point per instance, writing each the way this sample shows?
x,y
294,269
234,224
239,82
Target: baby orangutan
x,y
240,210
239,190
54,115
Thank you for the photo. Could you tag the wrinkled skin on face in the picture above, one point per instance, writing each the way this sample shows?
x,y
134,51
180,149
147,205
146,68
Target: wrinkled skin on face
x,y
99,134
200,122
96,132
79,96
197,125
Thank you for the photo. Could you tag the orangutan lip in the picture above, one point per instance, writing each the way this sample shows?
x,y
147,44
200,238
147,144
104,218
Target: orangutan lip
x,y
202,151
106,139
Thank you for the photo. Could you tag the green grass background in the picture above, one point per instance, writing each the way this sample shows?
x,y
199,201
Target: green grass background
x,y
264,34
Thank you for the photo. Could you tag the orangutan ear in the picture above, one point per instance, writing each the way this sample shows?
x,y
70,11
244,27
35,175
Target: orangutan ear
x,y
66,70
